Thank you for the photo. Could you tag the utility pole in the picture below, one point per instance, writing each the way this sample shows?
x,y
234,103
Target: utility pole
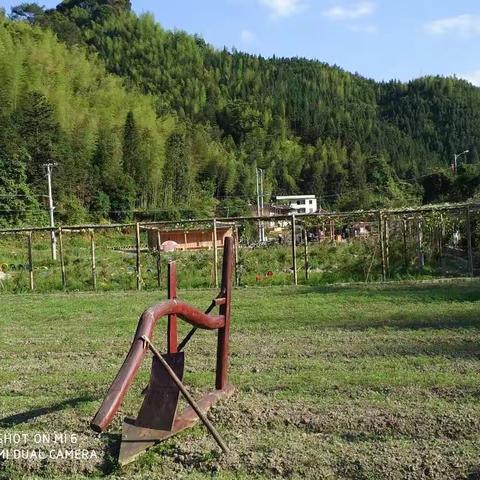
x,y
456,156
49,168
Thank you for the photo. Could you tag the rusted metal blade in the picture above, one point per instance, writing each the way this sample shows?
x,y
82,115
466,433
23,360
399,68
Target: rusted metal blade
x,y
161,399
136,440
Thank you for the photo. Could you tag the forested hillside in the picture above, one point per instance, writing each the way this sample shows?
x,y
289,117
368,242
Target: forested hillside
x,y
177,128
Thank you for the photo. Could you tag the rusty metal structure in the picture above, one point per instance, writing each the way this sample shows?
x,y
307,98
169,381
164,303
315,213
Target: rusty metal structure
x,y
157,419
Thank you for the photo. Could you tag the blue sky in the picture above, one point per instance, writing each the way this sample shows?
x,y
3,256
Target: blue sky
x,y
381,39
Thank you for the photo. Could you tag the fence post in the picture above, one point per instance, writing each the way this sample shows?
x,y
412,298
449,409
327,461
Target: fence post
x,y
405,250
62,259
237,247
382,245
294,251
387,245
93,258
442,233
469,243
305,246
215,253
421,259
30,260
159,264
139,265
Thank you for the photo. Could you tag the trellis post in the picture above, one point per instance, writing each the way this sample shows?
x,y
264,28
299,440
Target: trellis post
x,y
305,246
62,259
442,233
387,245
294,251
138,262
93,258
469,242
405,249
237,247
30,260
382,244
421,259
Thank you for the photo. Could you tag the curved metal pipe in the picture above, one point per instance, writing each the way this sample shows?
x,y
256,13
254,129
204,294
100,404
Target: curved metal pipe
x,y
133,361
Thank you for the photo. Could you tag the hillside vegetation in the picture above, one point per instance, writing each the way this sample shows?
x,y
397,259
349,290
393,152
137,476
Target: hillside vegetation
x,y
143,119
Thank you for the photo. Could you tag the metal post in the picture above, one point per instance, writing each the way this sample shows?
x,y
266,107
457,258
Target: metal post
x,y
139,265
159,263
30,260
305,246
62,259
93,259
187,396
294,251
215,253
469,243
223,338
172,341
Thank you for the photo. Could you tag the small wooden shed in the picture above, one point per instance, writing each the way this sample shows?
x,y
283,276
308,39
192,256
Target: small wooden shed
x,y
188,239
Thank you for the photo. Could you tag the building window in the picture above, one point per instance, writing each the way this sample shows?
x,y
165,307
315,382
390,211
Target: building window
x,y
301,202
310,202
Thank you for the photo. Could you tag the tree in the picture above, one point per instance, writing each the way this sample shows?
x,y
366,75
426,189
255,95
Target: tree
x,y
17,204
40,130
436,186
30,12
131,148
177,172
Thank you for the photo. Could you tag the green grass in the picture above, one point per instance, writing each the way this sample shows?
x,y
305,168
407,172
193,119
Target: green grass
x,y
366,382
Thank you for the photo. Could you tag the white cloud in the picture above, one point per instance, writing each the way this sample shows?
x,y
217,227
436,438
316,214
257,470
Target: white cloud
x,y
472,77
283,8
363,28
464,24
247,37
358,10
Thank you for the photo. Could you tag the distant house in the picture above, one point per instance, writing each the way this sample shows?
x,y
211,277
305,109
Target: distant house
x,y
360,229
298,203
289,205
188,239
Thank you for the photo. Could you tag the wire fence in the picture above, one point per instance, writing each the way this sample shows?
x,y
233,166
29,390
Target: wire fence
x,y
366,246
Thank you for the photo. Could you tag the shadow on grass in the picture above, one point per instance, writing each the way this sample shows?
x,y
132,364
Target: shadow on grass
x,y
24,417
454,292
400,321
475,474
110,463
434,348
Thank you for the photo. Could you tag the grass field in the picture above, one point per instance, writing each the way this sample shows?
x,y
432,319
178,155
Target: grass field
x,y
371,382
